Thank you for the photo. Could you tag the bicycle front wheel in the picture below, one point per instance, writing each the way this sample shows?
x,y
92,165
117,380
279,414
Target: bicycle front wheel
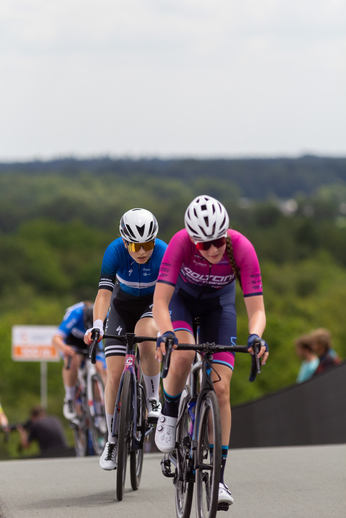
x,y
136,456
183,480
125,433
208,459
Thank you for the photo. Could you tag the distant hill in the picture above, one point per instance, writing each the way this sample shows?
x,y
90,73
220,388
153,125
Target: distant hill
x,y
257,178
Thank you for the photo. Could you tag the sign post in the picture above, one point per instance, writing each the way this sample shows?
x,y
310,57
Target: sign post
x,y
34,343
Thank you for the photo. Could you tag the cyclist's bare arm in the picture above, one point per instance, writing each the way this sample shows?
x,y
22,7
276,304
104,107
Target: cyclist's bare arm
x,y
162,297
257,320
61,347
101,307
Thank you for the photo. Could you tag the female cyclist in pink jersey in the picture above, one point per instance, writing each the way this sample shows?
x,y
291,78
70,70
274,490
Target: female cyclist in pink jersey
x,y
197,279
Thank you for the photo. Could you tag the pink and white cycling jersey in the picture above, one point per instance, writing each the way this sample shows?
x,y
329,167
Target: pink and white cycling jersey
x,y
183,262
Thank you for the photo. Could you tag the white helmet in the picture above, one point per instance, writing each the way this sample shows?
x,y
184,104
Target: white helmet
x,y
138,226
206,219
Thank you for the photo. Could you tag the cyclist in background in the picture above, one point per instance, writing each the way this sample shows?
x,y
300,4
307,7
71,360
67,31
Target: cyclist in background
x,y
68,338
197,279
128,276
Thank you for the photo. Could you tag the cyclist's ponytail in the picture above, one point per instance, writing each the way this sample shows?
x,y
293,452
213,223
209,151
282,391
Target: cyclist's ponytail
x,y
229,248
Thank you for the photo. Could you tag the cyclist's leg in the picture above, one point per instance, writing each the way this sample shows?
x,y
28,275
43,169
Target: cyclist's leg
x,y
69,377
115,360
219,325
181,311
177,375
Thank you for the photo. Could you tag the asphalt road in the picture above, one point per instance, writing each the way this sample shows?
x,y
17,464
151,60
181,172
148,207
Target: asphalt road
x,y
294,482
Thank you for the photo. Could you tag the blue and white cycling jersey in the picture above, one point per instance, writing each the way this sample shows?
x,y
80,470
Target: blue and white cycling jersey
x,y
134,279
73,323
72,330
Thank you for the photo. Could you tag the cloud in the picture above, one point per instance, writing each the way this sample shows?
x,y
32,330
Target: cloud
x,y
172,76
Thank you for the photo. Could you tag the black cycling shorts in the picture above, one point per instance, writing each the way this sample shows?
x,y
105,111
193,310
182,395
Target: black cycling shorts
x,y
123,316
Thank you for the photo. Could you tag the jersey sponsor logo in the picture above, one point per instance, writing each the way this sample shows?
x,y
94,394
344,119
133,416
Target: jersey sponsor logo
x,y
130,271
119,330
212,280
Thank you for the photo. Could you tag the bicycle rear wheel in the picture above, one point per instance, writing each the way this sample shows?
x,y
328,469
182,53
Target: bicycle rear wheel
x,y
208,464
183,481
136,456
97,416
125,433
80,435
79,424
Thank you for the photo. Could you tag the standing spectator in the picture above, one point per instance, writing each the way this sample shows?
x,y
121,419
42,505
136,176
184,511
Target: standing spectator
x,y
46,430
321,342
310,359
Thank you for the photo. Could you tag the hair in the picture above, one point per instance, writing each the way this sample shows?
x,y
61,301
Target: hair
x,y
36,411
304,341
229,248
322,336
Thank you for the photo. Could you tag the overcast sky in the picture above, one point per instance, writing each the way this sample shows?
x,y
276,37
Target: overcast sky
x,y
169,78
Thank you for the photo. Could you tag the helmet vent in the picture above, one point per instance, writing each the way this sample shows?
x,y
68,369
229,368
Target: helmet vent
x,y
141,230
129,231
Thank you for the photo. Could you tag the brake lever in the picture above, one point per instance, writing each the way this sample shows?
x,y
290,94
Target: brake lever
x,y
255,361
166,360
95,335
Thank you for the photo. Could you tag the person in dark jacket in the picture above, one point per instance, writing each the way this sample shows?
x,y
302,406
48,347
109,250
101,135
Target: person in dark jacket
x,y
45,429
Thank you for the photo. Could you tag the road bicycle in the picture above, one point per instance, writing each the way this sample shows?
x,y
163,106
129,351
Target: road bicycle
x,y
130,425
89,426
198,427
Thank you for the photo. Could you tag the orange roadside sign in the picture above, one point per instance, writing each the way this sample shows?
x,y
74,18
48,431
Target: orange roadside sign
x,y
33,343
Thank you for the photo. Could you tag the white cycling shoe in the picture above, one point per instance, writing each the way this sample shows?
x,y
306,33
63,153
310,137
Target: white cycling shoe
x,y
108,459
165,433
69,409
225,496
154,409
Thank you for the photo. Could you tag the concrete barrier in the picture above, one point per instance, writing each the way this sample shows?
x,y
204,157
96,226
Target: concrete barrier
x,y
310,413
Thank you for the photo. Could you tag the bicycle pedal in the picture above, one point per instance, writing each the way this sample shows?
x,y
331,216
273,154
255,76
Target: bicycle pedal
x,y
152,420
166,468
222,506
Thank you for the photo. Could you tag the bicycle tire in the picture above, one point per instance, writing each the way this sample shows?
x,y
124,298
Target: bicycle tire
x,y
81,437
97,419
207,477
125,433
79,425
136,456
183,485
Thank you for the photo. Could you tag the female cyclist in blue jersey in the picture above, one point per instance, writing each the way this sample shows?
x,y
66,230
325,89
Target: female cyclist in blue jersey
x,y
67,340
197,279
128,276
